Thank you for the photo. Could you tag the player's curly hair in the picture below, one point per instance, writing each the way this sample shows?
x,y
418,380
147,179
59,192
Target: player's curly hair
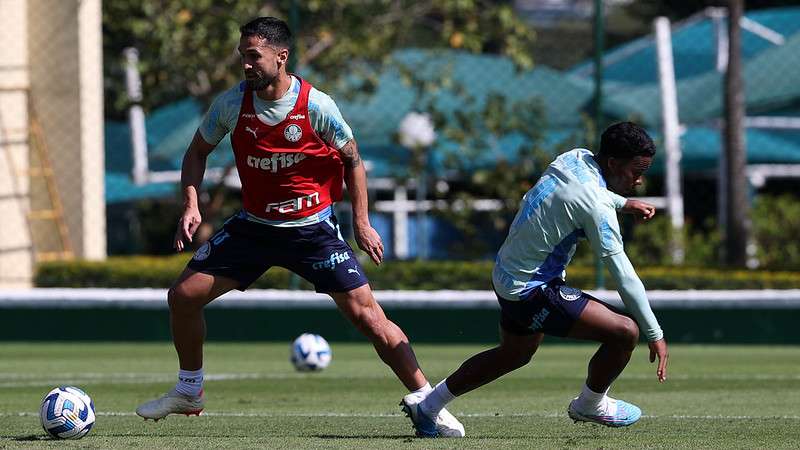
x,y
275,31
626,140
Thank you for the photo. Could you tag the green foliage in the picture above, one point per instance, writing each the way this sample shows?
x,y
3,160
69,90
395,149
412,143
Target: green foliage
x,y
776,225
160,272
493,146
187,47
648,244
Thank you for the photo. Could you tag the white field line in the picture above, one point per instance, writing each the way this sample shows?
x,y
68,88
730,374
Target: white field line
x,y
396,415
16,380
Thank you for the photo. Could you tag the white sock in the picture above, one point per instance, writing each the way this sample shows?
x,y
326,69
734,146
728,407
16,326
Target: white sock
x,y
190,382
423,390
436,400
590,400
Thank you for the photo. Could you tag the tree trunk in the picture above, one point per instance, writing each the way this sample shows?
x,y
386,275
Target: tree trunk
x,y
737,227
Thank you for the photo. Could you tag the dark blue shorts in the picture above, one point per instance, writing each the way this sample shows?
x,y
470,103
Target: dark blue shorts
x,y
243,250
551,309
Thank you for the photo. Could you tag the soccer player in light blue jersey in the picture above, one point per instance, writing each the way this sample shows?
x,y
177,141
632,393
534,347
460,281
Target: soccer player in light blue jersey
x,y
576,198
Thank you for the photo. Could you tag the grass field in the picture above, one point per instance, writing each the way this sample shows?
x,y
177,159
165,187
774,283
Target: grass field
x,y
716,397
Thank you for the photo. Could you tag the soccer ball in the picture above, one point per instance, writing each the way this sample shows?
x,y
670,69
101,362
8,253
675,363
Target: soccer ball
x,y
67,413
310,352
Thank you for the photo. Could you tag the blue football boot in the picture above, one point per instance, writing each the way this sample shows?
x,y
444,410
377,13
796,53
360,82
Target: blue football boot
x,y
615,413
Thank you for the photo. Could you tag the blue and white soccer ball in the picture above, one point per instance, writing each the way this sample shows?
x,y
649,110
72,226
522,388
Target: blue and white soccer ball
x,y
310,352
67,413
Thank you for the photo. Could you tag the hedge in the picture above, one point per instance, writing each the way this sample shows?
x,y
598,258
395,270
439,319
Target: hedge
x,y
160,272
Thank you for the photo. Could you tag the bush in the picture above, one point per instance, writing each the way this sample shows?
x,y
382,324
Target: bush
x,y
160,272
776,225
648,244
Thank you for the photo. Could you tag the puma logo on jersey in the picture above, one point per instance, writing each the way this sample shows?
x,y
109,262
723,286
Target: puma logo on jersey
x,y
275,162
250,130
355,271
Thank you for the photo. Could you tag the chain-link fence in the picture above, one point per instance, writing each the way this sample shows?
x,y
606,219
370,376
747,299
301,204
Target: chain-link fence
x,y
697,66
502,108
504,85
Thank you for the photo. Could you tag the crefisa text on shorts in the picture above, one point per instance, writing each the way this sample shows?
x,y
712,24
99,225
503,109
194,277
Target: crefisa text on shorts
x,y
332,261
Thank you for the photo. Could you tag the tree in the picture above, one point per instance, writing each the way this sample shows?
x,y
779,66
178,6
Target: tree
x,y
491,145
187,47
737,208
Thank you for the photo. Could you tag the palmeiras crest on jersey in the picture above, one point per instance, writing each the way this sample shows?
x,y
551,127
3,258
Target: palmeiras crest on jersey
x,y
569,294
202,252
293,133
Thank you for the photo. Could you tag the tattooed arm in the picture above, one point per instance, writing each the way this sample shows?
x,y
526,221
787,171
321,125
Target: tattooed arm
x,y
355,176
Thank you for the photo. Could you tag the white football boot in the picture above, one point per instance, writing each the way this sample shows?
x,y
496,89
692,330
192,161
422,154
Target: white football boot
x,y
172,403
611,413
445,424
448,425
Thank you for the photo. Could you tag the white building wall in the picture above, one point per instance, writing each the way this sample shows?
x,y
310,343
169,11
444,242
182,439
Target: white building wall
x,y
16,261
50,71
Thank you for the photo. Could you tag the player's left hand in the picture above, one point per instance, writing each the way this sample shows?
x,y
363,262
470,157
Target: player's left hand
x,y
642,210
370,241
659,348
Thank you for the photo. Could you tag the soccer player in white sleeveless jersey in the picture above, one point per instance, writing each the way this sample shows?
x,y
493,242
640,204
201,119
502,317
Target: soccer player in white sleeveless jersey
x,y
293,153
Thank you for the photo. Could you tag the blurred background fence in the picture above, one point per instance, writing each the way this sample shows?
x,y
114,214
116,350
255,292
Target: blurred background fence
x,y
501,87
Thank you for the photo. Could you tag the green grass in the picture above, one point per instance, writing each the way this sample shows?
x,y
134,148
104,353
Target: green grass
x,y
715,397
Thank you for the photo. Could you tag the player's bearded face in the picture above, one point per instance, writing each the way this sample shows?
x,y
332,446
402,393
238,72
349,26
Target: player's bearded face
x,y
260,62
257,81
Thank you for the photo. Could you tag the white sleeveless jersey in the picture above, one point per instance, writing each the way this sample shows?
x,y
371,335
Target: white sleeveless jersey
x,y
569,202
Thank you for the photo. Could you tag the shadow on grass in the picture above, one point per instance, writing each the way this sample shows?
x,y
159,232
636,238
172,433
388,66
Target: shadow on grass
x,y
362,436
29,438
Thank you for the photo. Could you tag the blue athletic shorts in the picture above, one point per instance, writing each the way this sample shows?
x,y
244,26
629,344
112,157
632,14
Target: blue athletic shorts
x,y
243,250
550,309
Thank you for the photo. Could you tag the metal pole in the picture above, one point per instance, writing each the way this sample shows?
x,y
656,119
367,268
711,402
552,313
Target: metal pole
x,y
672,144
422,225
136,122
721,33
294,26
400,221
599,30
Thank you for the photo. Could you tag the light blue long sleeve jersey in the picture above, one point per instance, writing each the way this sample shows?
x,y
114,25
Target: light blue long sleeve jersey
x,y
570,202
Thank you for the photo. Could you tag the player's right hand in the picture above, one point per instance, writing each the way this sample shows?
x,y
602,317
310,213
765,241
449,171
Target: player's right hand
x,y
187,226
370,241
659,348
641,210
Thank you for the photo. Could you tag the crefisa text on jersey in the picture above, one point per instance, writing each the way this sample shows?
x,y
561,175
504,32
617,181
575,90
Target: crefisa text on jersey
x,y
275,162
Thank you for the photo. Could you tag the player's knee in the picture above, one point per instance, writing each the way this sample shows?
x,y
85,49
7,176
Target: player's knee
x,y
182,300
378,329
523,358
369,324
628,333
517,356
